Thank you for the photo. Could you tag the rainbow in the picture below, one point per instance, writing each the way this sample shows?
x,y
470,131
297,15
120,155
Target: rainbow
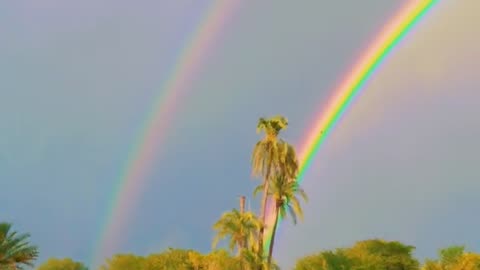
x,y
354,82
152,135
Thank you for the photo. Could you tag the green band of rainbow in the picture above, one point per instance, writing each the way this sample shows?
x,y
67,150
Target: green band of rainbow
x,y
388,39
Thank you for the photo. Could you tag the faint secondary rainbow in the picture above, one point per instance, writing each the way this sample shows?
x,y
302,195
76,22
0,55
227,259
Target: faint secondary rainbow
x,y
154,131
353,83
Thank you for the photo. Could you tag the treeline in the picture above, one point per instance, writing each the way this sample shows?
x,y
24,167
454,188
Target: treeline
x,y
372,254
249,238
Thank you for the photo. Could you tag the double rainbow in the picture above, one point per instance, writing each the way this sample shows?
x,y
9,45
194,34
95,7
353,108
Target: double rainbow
x,y
189,60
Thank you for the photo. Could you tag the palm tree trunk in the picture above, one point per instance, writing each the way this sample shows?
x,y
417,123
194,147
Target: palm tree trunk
x,y
242,243
263,210
274,230
242,204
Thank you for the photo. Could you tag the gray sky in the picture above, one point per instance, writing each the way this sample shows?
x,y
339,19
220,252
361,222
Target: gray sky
x,y
77,80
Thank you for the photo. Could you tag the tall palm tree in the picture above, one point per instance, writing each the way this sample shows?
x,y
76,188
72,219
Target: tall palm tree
x,y
15,250
241,228
272,156
284,192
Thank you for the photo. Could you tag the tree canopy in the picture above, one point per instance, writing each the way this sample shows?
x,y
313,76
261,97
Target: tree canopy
x,y
62,264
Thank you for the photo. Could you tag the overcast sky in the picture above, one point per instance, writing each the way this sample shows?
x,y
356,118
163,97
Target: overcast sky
x,y
77,80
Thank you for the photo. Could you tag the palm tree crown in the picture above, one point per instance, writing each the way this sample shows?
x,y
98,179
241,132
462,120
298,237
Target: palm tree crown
x,y
241,228
284,192
15,250
271,153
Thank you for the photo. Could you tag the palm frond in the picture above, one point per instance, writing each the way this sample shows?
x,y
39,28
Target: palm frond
x,y
239,228
15,250
286,193
258,189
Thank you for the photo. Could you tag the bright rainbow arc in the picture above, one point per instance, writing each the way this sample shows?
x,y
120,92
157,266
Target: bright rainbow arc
x,y
351,86
153,133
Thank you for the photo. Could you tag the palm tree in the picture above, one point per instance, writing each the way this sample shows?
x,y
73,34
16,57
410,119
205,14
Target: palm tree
x,y
241,228
15,250
272,156
284,192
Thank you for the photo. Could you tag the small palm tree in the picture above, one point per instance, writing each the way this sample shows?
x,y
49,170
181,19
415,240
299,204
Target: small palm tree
x,y
272,156
241,228
284,192
15,250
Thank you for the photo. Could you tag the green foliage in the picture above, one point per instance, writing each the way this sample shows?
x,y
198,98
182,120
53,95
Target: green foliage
x,y
170,259
220,259
451,255
62,264
326,260
124,261
381,254
431,265
184,259
468,261
373,254
365,255
272,155
251,259
454,258
15,250
240,228
273,125
285,193
175,259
